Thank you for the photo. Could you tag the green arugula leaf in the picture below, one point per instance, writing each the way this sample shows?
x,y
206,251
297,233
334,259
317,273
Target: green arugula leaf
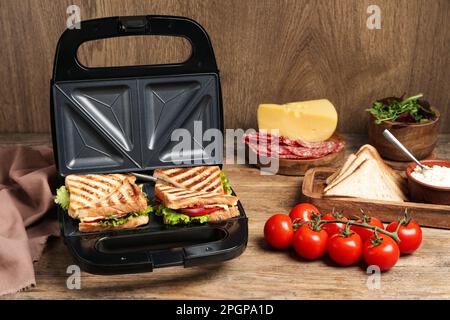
x,y
409,110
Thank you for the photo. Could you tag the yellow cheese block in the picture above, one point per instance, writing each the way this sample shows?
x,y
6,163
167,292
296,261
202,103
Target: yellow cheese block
x,y
311,121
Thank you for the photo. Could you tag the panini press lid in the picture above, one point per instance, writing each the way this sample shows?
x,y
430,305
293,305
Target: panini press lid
x,y
120,119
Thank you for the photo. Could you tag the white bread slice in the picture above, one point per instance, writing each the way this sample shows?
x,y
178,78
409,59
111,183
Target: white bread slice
x,y
132,223
394,180
394,175
367,182
344,168
357,160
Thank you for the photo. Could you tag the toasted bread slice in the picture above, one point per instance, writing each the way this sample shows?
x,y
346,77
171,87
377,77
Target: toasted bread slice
x,y
221,215
203,178
132,223
177,198
90,188
127,198
367,182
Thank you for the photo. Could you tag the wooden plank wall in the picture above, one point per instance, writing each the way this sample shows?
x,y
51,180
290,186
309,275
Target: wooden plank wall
x,y
267,51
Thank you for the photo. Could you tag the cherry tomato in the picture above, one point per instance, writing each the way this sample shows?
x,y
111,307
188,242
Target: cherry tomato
x,y
303,211
310,244
365,233
384,255
410,236
278,231
345,249
333,228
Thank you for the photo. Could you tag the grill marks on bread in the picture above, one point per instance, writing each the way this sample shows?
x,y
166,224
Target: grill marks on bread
x,y
97,195
128,198
205,178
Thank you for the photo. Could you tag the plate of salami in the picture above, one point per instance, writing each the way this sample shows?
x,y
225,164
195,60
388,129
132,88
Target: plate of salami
x,y
295,156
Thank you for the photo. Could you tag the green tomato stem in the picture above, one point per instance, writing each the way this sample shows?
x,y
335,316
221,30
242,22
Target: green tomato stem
x,y
393,235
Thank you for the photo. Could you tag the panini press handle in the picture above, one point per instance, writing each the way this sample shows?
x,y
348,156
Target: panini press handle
x,y
96,262
67,66
231,245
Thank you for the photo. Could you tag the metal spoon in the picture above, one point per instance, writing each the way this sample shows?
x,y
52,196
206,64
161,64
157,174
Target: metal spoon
x,y
144,177
388,135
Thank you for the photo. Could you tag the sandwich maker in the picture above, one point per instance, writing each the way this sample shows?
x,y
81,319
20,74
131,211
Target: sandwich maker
x,y
119,120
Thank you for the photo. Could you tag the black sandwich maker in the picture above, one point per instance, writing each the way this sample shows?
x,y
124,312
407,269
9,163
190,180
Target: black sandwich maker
x,y
120,119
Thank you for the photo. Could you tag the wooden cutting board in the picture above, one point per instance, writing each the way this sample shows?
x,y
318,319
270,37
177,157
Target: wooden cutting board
x,y
430,215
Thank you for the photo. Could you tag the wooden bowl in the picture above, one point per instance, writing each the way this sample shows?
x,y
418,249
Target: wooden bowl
x,y
420,139
426,193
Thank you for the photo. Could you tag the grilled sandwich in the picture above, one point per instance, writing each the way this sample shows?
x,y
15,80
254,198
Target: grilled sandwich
x,y
194,195
104,201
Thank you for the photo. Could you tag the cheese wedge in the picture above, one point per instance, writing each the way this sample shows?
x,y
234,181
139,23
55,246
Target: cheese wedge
x,y
311,121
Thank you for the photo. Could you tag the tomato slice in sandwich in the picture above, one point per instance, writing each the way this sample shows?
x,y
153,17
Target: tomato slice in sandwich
x,y
95,220
198,211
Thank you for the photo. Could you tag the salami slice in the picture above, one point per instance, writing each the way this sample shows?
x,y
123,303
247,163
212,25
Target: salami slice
x,y
262,137
264,144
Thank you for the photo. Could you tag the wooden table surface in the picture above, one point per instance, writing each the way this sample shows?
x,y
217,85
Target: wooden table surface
x,y
259,273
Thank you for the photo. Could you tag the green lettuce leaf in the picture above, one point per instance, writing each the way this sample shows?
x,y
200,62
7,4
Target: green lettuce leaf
x,y
225,183
176,218
62,197
147,210
200,219
117,222
172,217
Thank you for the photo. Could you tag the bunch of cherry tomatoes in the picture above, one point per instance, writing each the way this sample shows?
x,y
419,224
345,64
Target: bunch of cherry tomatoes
x,y
312,234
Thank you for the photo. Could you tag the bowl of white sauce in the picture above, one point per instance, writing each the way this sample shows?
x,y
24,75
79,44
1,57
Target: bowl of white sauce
x,y
430,185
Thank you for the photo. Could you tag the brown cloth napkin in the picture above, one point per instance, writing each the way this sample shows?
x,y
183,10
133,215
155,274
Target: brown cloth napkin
x,y
27,177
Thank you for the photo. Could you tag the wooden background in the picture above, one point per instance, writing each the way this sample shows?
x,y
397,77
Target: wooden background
x,y
267,51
